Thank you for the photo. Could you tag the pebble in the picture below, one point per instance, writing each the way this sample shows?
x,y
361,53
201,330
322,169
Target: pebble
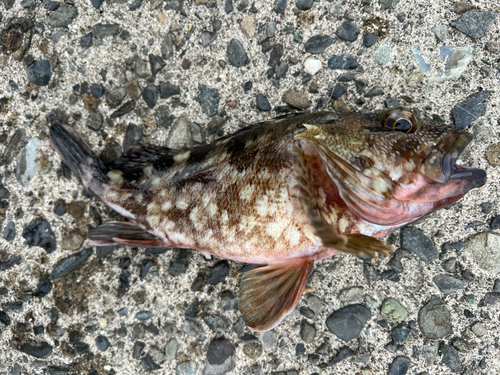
x,y
4,318
351,294
194,328
399,366
219,351
168,89
44,287
208,99
312,66
179,264
300,349
95,121
70,263
383,55
101,30
141,68
491,298
171,348
304,4
72,240
449,356
413,239
187,368
392,311
16,142
150,95
344,352
269,340
62,16
253,349
342,61
115,96
282,70
111,152
434,319
207,37
236,54
470,109
145,267
296,99
102,343
347,322
448,284
124,109
307,332
39,350
218,324
479,329
348,31
248,26
148,363
440,31
39,72
137,349
97,3
369,40
133,136
275,56
280,6
318,44
390,275
218,272
450,265
493,157
40,233
475,24
485,251
9,232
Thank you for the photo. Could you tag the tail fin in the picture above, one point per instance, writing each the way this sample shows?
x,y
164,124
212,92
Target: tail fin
x,y
73,149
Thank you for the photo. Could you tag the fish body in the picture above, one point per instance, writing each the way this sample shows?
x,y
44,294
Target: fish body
x,y
284,193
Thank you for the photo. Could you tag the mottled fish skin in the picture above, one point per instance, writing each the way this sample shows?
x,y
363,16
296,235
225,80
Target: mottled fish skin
x,y
285,192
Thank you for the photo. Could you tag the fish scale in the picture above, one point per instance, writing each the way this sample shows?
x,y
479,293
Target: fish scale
x,y
283,193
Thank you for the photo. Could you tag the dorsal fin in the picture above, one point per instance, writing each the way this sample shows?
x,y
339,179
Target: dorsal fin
x,y
140,155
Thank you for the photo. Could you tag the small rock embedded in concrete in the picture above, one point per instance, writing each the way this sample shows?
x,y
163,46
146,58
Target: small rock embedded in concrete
x,y
440,31
4,318
475,24
217,324
86,40
413,239
219,351
40,233
307,332
102,343
9,232
343,61
179,264
449,356
124,109
115,96
262,103
399,365
101,30
253,349
388,4
39,350
168,89
62,16
304,4
156,63
280,6
218,272
312,66
208,99
485,251
187,368
348,31
434,319
337,91
369,40
171,348
344,352
375,91
150,95
144,315
44,287
296,99
70,263
207,37
148,363
470,109
383,55
491,298
133,136
39,72
236,54
448,284
347,322
318,44
400,334
392,310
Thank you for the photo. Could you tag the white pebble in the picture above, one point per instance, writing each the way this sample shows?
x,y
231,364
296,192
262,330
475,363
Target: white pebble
x,y
312,66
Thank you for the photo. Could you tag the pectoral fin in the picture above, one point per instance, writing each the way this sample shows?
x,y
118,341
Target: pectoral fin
x,y
357,244
268,294
125,233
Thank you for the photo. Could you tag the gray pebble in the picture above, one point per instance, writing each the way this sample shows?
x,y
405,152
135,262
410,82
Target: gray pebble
x,y
39,350
179,264
253,349
95,121
383,55
171,348
470,109
218,324
187,368
102,30
149,364
137,349
342,61
219,351
62,16
150,95
40,233
141,68
388,4
440,31
39,72
167,90
400,334
399,365
304,4
375,91
344,352
450,265
434,319
392,310
70,263
86,40
369,40
218,272
194,328
318,44
102,343
413,239
348,31
307,332
450,358
115,96
475,23
144,315
207,37
236,54
280,6
347,322
337,91
491,298
485,251
133,136
124,109
262,103
448,284
208,99
9,232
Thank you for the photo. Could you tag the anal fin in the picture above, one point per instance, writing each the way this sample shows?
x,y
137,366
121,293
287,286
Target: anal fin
x,y
268,294
124,233
357,244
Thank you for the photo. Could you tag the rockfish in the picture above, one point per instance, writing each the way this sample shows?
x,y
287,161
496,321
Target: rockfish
x,y
283,193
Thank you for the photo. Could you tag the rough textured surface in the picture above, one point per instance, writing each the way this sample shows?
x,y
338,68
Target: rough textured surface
x,y
88,43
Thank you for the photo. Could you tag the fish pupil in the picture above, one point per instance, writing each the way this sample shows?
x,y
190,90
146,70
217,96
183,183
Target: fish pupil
x,y
402,125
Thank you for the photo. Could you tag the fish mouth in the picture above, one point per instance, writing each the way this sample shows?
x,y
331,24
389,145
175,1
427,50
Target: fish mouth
x,y
448,169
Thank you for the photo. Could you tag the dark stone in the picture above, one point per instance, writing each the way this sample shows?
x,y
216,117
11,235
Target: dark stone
x,y
39,233
62,16
434,319
343,61
346,77
369,40
208,99
44,287
300,349
97,90
304,4
70,263
136,4
449,356
400,334
39,72
276,55
179,264
218,272
207,37
338,91
475,24
39,350
219,350
37,330
81,347
470,109
156,63
247,86
138,349
344,352
97,3
347,322
236,54
399,365
111,152
9,232
101,30
388,4
133,136
102,343
192,310
491,298
149,364
217,324
262,103
167,90
413,239
13,261
348,31
150,95
448,284
86,40
280,6
4,318
375,91
495,222
228,7
124,109
450,265
307,312
145,267
144,315
390,275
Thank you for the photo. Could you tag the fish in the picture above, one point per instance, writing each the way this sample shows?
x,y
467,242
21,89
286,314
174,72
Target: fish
x,y
282,194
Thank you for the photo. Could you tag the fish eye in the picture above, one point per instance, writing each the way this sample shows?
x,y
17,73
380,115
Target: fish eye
x,y
399,119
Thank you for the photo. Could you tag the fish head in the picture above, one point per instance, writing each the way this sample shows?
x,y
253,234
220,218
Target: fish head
x,y
393,168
